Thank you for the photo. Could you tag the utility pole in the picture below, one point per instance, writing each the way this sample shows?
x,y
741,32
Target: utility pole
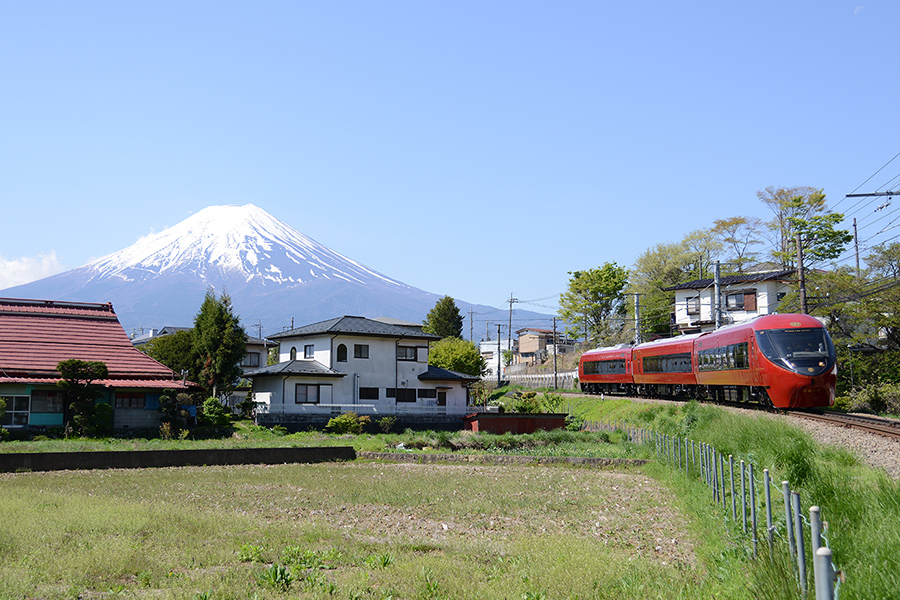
x,y
800,276
471,325
499,355
637,319
555,352
717,290
856,247
509,332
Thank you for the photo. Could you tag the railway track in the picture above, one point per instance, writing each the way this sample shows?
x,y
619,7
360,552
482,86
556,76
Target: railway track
x,y
884,427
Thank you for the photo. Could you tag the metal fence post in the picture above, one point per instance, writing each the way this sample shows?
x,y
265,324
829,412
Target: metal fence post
x,y
753,510
825,583
715,474
815,542
733,499
743,497
767,484
788,519
722,470
801,550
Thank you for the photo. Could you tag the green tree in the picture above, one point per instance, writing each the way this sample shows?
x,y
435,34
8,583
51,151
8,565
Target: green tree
x,y
802,210
444,319
175,350
658,268
738,236
594,303
219,343
77,379
457,355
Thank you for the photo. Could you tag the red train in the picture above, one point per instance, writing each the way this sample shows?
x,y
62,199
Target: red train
x,y
785,361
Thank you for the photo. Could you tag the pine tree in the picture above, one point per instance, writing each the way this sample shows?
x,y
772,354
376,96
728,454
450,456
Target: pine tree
x,y
219,343
444,319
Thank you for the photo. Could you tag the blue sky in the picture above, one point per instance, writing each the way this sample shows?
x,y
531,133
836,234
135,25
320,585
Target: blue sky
x,y
474,149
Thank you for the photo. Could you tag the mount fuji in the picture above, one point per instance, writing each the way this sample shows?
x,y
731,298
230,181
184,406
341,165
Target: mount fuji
x,y
274,274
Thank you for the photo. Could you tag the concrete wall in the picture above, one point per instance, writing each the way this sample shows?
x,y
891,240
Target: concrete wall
x,y
140,459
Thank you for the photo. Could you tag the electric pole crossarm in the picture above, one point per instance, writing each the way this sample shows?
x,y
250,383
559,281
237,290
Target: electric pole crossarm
x,y
873,194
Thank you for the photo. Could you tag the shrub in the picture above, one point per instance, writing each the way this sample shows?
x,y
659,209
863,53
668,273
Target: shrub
x,y
387,423
883,398
214,413
526,402
348,422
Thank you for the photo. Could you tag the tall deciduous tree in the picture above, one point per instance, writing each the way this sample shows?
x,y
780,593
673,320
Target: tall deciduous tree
x,y
220,344
657,268
175,350
738,236
594,303
457,355
444,319
802,210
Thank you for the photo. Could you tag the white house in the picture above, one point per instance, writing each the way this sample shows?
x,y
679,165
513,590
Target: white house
x,y
492,353
743,296
360,365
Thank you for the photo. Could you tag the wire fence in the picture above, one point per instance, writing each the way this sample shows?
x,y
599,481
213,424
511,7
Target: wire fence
x,y
741,503
564,380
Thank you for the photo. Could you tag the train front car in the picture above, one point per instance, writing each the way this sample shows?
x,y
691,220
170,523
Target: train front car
x,y
787,361
800,362
606,370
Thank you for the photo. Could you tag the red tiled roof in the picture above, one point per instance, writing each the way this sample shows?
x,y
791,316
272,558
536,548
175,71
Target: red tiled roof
x,y
35,335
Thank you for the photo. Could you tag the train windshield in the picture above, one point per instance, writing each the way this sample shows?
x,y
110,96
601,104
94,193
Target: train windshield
x,y
808,351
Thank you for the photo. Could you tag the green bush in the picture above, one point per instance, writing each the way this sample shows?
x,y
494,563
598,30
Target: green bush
x,y
387,423
349,422
213,413
881,398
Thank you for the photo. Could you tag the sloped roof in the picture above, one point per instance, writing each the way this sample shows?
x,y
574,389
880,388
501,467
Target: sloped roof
x,y
700,284
356,326
295,367
438,374
35,335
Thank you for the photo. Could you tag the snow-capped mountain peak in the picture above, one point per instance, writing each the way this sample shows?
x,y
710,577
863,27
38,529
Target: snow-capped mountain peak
x,y
233,241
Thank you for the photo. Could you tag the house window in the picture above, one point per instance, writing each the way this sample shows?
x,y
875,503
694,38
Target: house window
x,y
47,401
693,306
402,394
406,353
309,351
368,393
734,302
360,351
16,414
306,394
425,393
130,400
780,296
251,359
293,353
342,353
442,398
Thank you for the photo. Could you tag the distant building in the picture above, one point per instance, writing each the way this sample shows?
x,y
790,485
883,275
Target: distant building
x,y
536,345
743,296
492,352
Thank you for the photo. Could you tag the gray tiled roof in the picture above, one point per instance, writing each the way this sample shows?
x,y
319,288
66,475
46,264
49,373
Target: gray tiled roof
x,y
295,367
355,326
732,280
439,374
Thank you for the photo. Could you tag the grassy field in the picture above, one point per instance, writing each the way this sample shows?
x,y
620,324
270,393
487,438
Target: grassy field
x,y
382,530
354,530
